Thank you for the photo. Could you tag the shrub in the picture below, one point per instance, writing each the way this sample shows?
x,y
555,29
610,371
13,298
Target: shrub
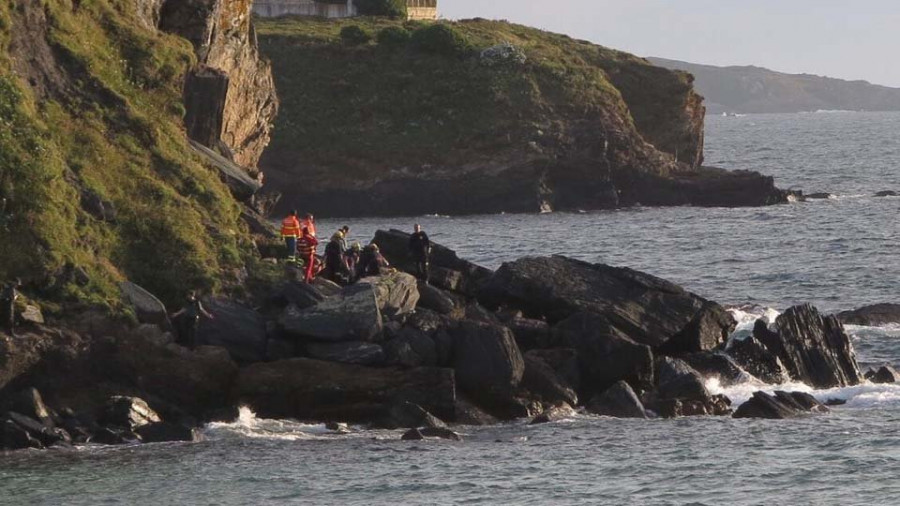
x,y
394,36
354,35
391,8
440,39
504,54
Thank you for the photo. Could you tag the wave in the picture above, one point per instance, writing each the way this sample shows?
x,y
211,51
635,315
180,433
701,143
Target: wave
x,y
863,396
248,425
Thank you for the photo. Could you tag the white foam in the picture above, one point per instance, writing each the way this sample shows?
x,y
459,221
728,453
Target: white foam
x,y
863,396
249,425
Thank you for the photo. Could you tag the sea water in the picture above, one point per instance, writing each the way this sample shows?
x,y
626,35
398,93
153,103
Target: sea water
x,y
837,253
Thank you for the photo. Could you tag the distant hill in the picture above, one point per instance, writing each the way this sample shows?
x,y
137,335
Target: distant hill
x,y
758,90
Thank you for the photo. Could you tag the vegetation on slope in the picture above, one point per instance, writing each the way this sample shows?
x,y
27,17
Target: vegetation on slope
x,y
399,103
90,115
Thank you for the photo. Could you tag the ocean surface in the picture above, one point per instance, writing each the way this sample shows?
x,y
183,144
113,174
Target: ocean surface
x,y
838,253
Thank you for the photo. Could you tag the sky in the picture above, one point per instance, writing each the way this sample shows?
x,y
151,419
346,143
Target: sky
x,y
835,38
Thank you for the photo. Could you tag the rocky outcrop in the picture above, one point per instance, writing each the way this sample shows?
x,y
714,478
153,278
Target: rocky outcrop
x,y
487,361
396,293
235,327
779,406
147,307
618,401
871,316
884,374
230,96
313,390
756,359
353,315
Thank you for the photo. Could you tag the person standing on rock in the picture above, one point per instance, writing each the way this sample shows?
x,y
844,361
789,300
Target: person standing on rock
x,y
420,249
290,232
309,222
8,298
352,257
306,248
335,265
188,320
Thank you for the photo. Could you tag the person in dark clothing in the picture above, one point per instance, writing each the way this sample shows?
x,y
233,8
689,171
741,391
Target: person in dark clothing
x,y
335,265
187,320
8,298
420,249
352,258
371,262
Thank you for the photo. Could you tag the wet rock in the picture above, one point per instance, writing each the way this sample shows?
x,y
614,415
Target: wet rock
x,y
779,406
708,330
147,307
17,437
412,435
814,349
467,413
430,432
352,315
308,389
555,414
605,354
396,293
885,374
486,359
887,193
437,300
128,413
301,295
237,328
406,415
872,316
352,352
530,334
677,380
411,348
112,436
618,401
564,362
715,364
835,402
820,196
29,402
541,380
757,360
646,309
163,432
337,427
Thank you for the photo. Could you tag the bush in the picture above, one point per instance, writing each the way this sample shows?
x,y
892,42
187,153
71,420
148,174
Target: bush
x,y
394,36
391,8
354,35
440,39
503,54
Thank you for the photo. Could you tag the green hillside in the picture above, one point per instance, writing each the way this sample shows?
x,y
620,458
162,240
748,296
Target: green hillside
x,y
99,180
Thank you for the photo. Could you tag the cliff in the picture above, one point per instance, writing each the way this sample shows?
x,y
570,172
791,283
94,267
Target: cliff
x,y
98,180
402,126
748,89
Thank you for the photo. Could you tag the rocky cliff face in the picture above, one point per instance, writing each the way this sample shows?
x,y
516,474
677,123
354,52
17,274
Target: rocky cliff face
x,y
562,124
230,96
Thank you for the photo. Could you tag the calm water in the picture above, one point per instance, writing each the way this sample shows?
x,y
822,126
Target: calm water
x,y
838,254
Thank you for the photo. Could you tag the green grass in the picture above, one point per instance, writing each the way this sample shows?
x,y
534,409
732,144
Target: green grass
x,y
378,107
117,132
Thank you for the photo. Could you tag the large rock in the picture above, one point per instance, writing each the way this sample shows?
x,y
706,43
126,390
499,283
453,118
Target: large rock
x,y
541,380
347,352
530,334
164,432
30,403
353,315
435,299
406,415
313,390
872,316
397,293
757,360
235,327
128,413
605,354
556,413
486,359
709,330
646,309
884,374
677,380
618,401
394,245
564,362
781,405
411,347
147,307
814,349
715,364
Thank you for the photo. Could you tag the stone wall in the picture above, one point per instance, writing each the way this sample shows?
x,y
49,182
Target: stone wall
x,y
276,8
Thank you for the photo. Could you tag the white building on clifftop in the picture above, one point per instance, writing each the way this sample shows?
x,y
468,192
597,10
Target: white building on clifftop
x,y
416,9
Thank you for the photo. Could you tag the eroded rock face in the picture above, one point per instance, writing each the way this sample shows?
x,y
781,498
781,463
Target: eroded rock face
x,y
245,105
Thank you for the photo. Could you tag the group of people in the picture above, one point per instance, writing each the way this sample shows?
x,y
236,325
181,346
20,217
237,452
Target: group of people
x,y
343,263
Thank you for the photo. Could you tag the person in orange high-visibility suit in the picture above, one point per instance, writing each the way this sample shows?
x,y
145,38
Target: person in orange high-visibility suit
x,y
290,232
306,248
309,222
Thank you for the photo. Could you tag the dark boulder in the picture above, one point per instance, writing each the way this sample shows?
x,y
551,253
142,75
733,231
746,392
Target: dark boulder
x,y
113,436
677,380
314,390
530,334
814,349
646,309
757,360
164,432
147,307
30,403
555,414
872,316
431,432
394,245
887,193
406,415
17,437
819,196
437,300
36,431
779,406
605,354
564,362
709,330
353,315
542,381
237,328
351,352
467,413
618,401
885,374
716,405
411,347
486,359
715,364
128,413
300,294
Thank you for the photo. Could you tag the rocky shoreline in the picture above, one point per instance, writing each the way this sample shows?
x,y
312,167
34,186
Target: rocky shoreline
x,y
539,338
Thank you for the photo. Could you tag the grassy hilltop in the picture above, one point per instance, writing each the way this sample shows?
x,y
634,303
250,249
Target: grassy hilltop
x,y
403,103
94,163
